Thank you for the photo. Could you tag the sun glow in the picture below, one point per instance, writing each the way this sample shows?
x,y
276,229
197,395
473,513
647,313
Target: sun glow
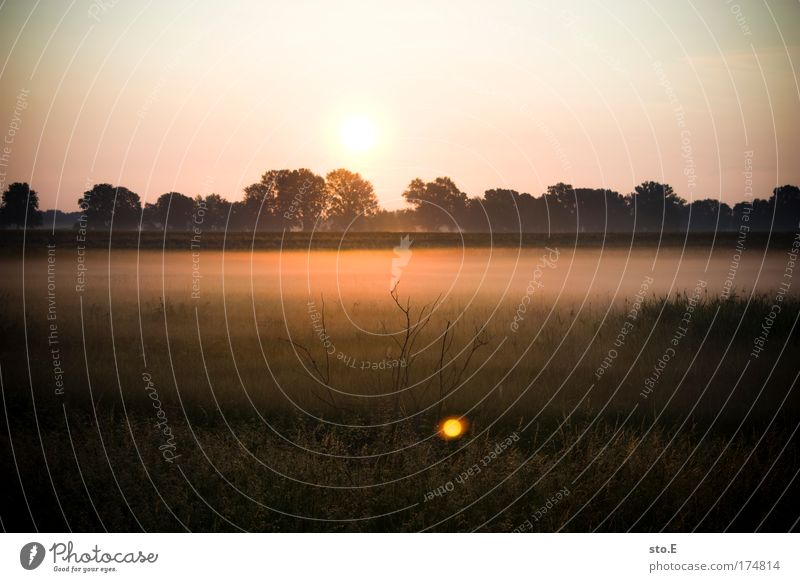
x,y
358,134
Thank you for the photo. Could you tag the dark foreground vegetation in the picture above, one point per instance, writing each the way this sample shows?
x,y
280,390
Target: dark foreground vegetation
x,y
550,447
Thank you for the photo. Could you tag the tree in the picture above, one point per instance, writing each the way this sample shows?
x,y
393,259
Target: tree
x,y
476,217
585,209
262,197
656,207
503,209
786,200
349,197
303,198
20,206
172,210
150,216
561,208
106,205
600,210
709,215
213,211
438,204
292,199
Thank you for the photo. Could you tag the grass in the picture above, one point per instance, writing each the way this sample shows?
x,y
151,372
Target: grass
x,y
639,477
11,240
272,436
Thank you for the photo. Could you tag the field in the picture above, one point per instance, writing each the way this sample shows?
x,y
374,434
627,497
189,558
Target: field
x,y
602,389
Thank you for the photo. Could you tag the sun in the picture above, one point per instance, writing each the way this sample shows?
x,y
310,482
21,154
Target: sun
x,y
358,134
452,428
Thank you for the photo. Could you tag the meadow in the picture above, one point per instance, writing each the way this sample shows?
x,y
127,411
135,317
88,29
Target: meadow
x,y
603,389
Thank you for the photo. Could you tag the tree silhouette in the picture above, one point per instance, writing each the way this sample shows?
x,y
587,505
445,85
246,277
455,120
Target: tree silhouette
x,y
261,205
290,199
561,208
787,207
585,209
172,211
106,205
306,197
709,215
349,196
600,210
212,211
756,214
439,204
505,209
20,206
656,207
301,200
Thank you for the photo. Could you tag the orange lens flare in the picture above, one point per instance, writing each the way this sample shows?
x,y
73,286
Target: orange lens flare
x,y
452,427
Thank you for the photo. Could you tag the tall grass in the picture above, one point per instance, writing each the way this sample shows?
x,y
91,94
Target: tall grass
x,y
273,434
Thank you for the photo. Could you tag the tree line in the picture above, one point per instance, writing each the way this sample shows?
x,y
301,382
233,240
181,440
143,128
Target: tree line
x,y
343,200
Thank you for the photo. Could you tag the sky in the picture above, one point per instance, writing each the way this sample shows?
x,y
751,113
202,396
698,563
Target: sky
x,y
201,97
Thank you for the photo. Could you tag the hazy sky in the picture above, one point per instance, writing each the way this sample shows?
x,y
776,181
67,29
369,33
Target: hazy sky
x,y
202,97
